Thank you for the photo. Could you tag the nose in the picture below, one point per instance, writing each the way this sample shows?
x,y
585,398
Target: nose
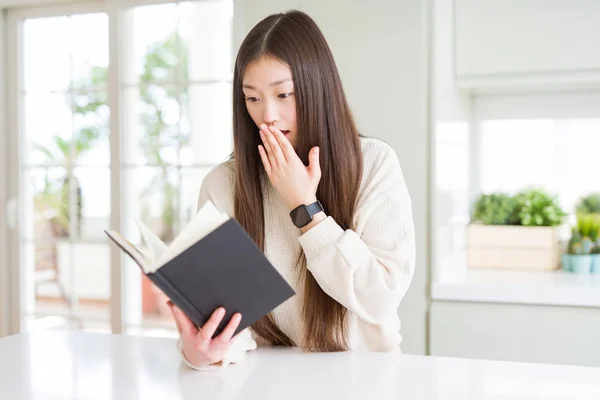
x,y
270,113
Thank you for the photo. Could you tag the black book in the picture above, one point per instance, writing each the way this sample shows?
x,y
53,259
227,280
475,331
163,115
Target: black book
x,y
212,263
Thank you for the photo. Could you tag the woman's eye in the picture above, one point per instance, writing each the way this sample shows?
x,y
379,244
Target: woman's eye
x,y
284,95
252,99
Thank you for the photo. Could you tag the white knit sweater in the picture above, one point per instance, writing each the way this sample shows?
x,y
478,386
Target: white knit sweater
x,y
368,269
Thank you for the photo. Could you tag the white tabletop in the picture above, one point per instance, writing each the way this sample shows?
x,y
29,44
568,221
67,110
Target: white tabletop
x,y
76,365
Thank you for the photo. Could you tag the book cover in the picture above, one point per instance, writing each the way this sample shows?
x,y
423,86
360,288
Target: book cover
x,y
212,263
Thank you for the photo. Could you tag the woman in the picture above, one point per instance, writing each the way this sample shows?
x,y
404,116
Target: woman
x,y
329,208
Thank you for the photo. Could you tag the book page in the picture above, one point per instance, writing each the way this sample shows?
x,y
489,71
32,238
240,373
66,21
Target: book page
x,y
138,255
156,247
206,220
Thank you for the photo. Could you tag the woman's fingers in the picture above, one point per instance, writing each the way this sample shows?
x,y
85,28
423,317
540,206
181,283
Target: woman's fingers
x,y
267,145
225,336
208,330
274,145
175,318
284,144
202,349
265,159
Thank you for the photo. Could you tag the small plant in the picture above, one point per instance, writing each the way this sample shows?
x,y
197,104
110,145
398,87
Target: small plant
x,y
589,204
589,226
493,209
536,207
585,224
584,237
575,243
587,245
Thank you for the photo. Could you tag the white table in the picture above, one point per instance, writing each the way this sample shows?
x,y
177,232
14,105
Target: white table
x,y
77,365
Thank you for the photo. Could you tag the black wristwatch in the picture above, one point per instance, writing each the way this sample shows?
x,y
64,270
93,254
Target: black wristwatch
x,y
303,214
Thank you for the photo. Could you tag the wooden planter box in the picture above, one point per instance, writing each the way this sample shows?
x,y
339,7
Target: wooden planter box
x,y
513,247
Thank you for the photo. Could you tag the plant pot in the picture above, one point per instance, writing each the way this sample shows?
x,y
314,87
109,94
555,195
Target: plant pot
x,y
566,263
581,264
595,263
513,247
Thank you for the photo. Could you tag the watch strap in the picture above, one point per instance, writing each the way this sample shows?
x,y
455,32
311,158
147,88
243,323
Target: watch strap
x,y
314,208
303,214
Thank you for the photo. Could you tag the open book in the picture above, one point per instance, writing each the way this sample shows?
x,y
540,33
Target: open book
x,y
212,263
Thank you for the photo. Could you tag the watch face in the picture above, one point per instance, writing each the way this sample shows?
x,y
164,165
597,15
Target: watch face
x,y
301,217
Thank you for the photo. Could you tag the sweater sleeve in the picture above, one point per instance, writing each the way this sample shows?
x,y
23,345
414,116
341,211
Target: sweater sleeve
x,y
368,270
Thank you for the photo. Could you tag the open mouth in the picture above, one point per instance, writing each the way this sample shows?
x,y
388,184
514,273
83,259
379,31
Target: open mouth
x,y
285,132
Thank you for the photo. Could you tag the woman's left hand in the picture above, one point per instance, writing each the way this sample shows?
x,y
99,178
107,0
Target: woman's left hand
x,y
296,183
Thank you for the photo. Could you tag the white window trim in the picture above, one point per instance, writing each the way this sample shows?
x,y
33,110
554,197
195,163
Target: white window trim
x,y
13,57
57,9
4,230
115,27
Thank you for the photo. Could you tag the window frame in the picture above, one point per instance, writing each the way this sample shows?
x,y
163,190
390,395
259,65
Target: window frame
x,y
11,105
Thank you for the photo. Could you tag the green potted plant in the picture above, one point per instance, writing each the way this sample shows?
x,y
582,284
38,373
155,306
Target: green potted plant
x,y
536,207
494,209
515,232
583,250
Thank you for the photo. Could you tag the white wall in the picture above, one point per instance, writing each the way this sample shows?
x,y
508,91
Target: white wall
x,y
4,306
381,49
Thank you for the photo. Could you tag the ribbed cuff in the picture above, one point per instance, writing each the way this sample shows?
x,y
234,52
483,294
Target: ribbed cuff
x,y
325,234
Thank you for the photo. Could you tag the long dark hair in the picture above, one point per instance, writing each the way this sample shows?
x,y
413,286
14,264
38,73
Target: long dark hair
x,y
323,119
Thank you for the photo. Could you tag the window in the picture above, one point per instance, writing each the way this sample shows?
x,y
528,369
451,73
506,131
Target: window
x,y
511,142
177,124
170,114
65,172
557,154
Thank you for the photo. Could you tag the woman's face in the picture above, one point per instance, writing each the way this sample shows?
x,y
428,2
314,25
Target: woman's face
x,y
269,94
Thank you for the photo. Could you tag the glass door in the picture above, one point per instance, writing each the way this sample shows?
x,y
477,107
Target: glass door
x,y
175,94
62,170
86,135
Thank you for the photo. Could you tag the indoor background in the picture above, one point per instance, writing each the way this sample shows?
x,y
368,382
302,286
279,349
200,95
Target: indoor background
x,y
115,109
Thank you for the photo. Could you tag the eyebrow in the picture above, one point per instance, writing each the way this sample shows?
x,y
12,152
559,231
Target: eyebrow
x,y
276,83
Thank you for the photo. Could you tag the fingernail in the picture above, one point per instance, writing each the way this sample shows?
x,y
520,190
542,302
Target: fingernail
x,y
221,312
